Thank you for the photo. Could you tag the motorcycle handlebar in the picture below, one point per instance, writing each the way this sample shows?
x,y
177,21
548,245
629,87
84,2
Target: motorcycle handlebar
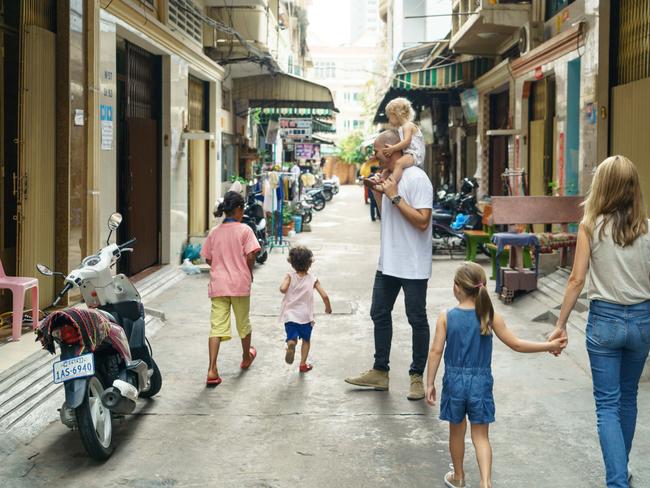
x,y
128,243
66,289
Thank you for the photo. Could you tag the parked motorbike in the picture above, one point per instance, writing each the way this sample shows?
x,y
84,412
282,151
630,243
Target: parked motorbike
x,y
254,218
316,198
334,182
304,209
106,362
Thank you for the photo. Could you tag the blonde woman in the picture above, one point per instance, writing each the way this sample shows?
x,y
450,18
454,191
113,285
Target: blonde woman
x,y
614,248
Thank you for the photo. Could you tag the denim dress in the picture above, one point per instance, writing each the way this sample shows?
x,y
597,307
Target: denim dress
x,y
467,383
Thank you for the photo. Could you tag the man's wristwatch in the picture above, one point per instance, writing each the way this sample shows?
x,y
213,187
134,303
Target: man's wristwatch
x,y
396,199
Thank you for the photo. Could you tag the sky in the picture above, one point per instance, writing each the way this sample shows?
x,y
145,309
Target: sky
x,y
329,22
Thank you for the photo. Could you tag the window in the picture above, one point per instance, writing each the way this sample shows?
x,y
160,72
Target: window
x,y
325,69
357,124
554,6
186,16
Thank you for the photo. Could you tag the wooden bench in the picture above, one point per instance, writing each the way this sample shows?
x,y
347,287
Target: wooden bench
x,y
529,210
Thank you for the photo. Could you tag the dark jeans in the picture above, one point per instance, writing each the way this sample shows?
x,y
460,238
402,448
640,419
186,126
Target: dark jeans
x,y
384,295
374,210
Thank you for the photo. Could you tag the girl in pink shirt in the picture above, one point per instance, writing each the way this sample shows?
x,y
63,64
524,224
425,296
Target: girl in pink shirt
x,y
297,312
230,250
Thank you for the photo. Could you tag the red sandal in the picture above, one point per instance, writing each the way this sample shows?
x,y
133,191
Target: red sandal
x,y
306,368
253,354
213,381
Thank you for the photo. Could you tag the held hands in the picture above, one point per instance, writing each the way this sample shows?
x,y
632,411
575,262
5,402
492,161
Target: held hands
x,y
559,338
431,394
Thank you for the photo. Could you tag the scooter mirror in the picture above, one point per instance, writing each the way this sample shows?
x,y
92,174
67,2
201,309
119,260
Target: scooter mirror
x,y
44,270
114,221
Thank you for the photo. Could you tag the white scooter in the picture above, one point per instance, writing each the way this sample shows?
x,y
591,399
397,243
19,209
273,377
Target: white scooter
x,y
116,366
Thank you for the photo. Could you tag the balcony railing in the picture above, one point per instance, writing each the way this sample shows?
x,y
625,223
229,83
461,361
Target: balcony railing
x,y
487,26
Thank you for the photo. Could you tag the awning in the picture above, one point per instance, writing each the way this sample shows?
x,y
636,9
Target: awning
x,y
443,77
420,86
282,90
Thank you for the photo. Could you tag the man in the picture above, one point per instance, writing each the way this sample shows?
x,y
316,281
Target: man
x,y
404,263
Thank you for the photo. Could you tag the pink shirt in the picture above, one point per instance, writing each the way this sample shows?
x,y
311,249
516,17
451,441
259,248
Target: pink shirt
x,y
298,301
226,247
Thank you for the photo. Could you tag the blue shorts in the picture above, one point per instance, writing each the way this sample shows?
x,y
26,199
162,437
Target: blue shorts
x,y
296,331
467,392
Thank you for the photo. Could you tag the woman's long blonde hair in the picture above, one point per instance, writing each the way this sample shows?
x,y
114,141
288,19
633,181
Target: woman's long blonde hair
x,y
472,281
615,194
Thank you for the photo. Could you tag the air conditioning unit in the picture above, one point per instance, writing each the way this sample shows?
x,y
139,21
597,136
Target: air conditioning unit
x,y
531,35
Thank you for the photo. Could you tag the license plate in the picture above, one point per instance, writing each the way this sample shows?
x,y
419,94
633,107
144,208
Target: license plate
x,y
72,368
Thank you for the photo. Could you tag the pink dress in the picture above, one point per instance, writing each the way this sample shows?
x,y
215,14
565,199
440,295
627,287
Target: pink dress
x,y
298,301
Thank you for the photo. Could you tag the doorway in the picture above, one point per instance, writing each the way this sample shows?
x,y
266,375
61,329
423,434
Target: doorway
x,y
138,148
498,145
541,137
198,177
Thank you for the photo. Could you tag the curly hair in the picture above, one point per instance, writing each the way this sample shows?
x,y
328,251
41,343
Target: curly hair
x,y
401,108
300,258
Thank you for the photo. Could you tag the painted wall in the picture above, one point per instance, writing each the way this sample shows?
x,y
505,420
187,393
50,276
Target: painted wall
x,y
108,115
178,116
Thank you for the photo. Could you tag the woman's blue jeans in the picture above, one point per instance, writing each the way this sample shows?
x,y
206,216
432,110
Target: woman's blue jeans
x,y
618,341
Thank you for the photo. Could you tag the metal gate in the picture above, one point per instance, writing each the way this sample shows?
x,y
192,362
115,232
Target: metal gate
x,y
630,95
139,174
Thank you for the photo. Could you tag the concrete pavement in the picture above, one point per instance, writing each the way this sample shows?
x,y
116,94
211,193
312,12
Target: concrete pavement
x,y
273,427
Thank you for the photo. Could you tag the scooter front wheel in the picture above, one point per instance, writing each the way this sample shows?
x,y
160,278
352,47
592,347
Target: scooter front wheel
x,y
319,204
262,257
95,422
306,218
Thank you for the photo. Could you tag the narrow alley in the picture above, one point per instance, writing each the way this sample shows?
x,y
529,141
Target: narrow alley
x,y
274,427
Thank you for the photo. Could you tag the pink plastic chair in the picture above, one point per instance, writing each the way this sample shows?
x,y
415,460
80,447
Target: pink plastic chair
x,y
18,287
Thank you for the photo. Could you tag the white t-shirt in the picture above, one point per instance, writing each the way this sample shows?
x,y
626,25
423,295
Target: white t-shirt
x,y
405,250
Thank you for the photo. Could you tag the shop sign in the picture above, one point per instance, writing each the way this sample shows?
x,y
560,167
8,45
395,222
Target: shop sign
x,y
295,128
307,151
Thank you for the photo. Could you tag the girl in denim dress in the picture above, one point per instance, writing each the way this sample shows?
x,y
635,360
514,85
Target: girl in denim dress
x,y
464,333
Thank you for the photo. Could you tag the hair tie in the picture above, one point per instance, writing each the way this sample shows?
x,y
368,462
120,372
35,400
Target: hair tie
x,y
480,285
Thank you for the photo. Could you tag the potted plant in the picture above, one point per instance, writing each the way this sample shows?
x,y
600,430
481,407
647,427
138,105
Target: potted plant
x,y
287,220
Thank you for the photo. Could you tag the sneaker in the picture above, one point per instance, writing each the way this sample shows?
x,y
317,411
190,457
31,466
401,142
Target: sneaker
x,y
452,482
373,378
416,391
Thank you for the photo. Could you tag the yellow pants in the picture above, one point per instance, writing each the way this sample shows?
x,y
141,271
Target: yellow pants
x,y
220,316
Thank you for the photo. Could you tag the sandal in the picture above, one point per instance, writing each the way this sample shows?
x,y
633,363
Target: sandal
x,y
253,353
306,368
452,482
291,352
213,381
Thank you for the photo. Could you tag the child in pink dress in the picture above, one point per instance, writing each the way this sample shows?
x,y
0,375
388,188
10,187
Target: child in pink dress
x,y
297,313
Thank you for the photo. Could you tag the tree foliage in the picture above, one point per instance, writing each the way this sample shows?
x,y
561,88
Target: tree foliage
x,y
350,149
